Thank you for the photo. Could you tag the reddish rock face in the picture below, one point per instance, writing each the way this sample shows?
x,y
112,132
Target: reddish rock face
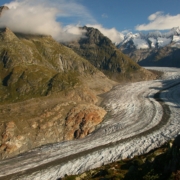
x,y
55,122
9,132
11,142
82,119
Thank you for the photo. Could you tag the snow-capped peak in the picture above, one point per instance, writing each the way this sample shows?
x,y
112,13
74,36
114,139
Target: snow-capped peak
x,y
176,30
154,34
155,39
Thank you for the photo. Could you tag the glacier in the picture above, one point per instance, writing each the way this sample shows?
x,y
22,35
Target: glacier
x,y
141,116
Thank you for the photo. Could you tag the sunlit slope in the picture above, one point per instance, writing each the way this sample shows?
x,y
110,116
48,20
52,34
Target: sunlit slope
x,y
34,65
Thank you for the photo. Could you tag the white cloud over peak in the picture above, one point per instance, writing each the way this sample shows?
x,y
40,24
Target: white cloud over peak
x,y
160,21
40,17
113,34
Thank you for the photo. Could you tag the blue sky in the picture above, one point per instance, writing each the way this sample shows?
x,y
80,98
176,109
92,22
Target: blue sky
x,y
111,17
127,14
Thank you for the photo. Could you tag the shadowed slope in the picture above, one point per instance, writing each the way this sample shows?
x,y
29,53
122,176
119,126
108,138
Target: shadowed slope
x,y
100,51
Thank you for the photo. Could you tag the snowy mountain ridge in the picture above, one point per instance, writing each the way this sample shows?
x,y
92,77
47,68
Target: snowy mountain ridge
x,y
154,39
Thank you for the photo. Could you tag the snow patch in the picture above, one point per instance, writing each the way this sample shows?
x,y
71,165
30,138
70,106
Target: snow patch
x,y
156,38
140,43
163,41
176,39
153,42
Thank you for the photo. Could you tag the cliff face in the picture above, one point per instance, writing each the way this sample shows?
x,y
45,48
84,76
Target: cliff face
x,y
100,52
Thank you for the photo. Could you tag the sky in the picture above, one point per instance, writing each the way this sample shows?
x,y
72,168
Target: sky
x,y
115,18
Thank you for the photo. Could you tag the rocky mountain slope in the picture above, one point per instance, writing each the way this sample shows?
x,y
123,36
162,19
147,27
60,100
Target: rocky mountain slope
x,y
102,53
154,48
38,65
45,88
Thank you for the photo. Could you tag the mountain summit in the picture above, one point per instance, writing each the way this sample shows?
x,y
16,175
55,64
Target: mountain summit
x,y
102,53
154,39
154,48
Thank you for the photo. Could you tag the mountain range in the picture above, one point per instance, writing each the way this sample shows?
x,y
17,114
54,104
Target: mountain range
x,y
153,49
154,39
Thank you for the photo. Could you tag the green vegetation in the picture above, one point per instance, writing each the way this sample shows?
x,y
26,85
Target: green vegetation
x,y
34,65
63,82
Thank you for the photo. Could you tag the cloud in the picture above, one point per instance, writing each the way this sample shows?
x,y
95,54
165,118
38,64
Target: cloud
x,y
154,16
140,43
160,21
114,35
40,17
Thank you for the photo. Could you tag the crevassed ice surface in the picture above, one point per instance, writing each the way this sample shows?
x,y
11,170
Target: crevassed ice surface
x,y
136,123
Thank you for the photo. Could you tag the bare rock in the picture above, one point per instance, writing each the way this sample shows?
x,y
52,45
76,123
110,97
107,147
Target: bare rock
x,y
11,142
34,125
9,131
82,120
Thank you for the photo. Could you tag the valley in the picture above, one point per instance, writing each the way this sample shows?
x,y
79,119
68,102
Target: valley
x,y
141,116
74,97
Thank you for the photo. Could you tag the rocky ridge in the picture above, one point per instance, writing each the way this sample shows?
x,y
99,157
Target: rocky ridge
x,y
38,65
102,53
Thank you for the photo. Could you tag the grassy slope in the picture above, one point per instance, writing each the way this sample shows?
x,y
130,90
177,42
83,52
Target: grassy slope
x,y
34,66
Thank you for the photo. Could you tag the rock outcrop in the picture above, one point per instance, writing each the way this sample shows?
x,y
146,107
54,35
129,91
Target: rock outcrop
x,y
81,120
39,121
